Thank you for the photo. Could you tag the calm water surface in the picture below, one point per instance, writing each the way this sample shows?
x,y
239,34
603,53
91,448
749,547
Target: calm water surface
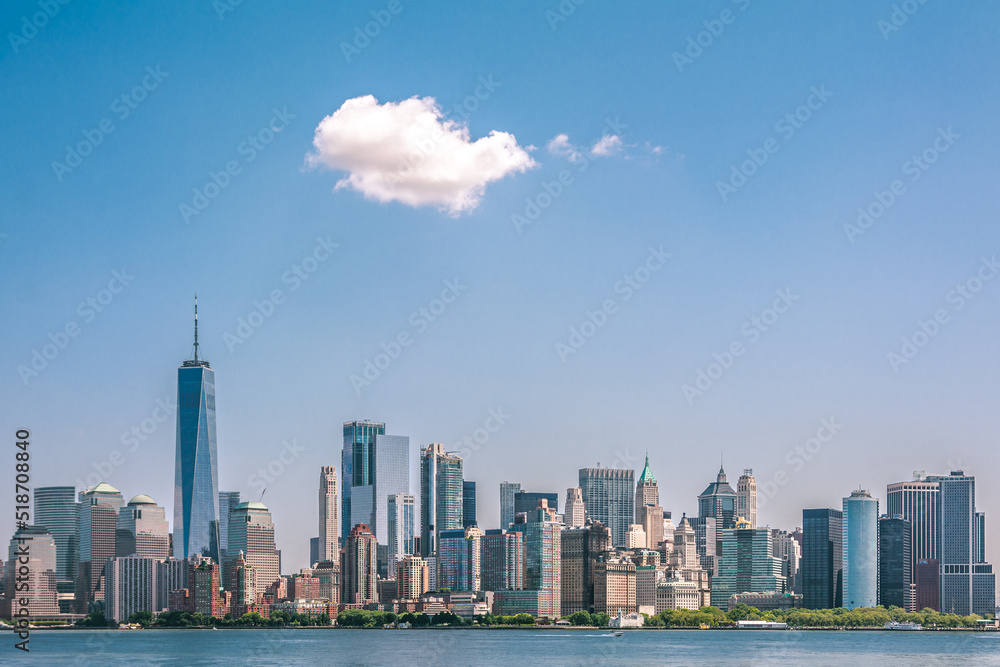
x,y
503,647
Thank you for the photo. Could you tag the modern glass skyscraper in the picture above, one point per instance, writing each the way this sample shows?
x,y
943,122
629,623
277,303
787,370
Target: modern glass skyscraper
x,y
822,558
469,504
609,497
196,468
860,544
440,495
374,467
400,519
917,502
459,559
967,585
56,510
747,565
718,500
527,501
895,563
228,500
507,491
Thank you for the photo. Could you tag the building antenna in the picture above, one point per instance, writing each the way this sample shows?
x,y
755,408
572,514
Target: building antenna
x,y
196,326
262,495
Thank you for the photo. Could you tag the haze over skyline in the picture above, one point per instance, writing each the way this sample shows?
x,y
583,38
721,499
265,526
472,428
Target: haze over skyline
x,y
631,159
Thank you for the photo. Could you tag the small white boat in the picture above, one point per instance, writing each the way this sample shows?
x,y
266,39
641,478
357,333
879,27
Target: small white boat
x,y
908,625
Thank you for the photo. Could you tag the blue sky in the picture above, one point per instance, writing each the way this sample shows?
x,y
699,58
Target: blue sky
x,y
682,130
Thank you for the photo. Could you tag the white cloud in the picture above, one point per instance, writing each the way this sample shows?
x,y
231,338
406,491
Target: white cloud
x,y
409,152
560,146
607,145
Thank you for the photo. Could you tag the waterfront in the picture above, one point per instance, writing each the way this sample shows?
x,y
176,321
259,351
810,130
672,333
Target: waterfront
x,y
492,647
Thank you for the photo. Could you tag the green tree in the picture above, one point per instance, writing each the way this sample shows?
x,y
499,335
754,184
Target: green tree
x,y
580,618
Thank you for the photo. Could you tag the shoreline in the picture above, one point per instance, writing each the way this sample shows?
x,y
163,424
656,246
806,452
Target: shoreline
x,y
504,628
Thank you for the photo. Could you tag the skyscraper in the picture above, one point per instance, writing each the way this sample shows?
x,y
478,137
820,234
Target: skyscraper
x,y
527,501
374,466
542,563
412,578
400,517
228,500
746,497
718,501
251,532
360,565
917,501
440,495
459,559
895,563
648,512
56,509
507,491
574,514
31,578
822,558
131,586
196,468
860,545
788,549
746,565
580,549
502,557
967,586
98,507
329,526
142,530
609,496
469,504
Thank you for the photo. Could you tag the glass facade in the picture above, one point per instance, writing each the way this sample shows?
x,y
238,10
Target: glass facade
x,y
56,510
895,563
507,491
440,495
400,524
860,544
967,585
822,558
196,471
609,497
746,565
469,504
361,472
525,501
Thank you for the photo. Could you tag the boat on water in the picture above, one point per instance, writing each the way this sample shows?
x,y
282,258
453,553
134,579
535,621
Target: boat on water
x,y
616,633
908,625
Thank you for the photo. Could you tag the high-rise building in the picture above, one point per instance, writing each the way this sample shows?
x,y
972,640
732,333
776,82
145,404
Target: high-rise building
x,y
787,548
440,495
708,541
580,549
374,466
32,578
860,546
142,529
314,549
171,575
459,559
574,514
746,497
228,500
822,558
917,501
507,491
648,512
542,563
967,586
400,514
746,565
328,573
636,537
979,538
204,584
895,563
251,532
243,586
56,510
131,586
469,504
412,579
360,567
502,560
527,501
928,587
614,586
329,526
196,467
98,507
609,497
718,501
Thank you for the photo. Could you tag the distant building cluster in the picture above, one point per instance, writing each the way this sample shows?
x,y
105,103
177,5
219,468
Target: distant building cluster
x,y
613,549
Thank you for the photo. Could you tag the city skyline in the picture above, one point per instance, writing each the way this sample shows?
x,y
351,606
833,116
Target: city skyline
x,y
827,320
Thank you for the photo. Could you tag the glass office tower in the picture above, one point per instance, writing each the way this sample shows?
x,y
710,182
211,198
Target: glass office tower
x,y
440,495
375,466
822,558
469,504
860,545
196,469
56,510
